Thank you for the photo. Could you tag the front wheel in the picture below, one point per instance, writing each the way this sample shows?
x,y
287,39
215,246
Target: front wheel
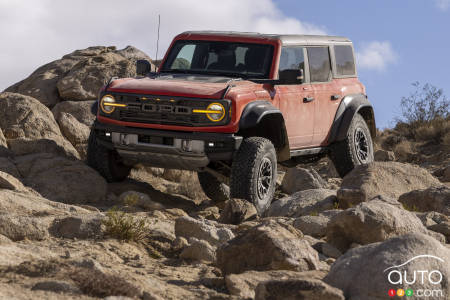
x,y
356,149
107,162
254,171
213,188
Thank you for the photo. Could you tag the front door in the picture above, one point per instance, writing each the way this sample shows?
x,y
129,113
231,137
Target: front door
x,y
296,100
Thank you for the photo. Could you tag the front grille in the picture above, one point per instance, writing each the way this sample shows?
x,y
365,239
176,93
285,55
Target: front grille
x,y
163,110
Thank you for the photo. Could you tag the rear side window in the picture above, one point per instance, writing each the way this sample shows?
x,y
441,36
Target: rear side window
x,y
319,64
345,62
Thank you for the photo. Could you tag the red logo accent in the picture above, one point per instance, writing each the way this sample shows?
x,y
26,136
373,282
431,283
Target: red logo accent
x,y
391,293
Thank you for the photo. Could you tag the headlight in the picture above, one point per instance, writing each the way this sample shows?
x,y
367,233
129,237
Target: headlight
x,y
215,112
108,104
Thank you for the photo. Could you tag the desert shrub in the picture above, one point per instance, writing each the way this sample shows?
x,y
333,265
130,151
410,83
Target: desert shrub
x,y
124,226
433,131
99,284
425,104
404,151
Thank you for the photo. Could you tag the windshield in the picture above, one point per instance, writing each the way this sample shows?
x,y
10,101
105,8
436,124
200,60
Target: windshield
x,y
231,59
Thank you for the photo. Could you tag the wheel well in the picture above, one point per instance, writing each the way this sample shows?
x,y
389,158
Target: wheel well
x,y
368,115
271,127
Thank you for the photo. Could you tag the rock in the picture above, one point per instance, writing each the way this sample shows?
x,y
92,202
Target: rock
x,y
299,179
207,230
327,249
54,176
199,250
432,199
80,227
362,273
442,228
56,286
438,236
383,155
17,227
78,75
133,198
10,182
29,127
8,166
446,174
387,179
81,110
210,213
4,151
312,225
85,79
303,203
268,246
244,285
371,222
76,132
305,288
432,218
237,211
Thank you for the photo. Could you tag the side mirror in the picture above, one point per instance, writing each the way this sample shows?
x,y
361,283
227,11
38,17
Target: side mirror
x,y
143,67
291,76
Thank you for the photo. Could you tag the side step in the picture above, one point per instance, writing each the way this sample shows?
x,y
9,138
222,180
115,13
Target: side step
x,y
309,151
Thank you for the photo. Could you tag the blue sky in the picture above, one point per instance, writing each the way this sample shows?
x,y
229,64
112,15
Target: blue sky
x,y
417,30
397,41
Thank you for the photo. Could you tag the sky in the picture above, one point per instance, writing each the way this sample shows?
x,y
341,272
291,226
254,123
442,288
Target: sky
x,y
397,42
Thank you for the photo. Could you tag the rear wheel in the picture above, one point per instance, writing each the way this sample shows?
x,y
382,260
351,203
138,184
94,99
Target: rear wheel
x,y
105,161
213,188
356,149
254,171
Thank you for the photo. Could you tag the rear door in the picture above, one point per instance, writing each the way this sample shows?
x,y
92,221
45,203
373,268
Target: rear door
x,y
298,113
325,92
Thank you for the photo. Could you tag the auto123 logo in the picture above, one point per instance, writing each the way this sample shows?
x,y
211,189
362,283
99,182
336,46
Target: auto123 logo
x,y
400,278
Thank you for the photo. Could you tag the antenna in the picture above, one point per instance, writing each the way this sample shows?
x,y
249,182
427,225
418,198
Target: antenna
x,y
157,41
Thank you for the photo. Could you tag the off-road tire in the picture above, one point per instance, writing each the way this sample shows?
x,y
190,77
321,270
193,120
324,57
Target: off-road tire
x,y
213,188
105,161
246,181
344,154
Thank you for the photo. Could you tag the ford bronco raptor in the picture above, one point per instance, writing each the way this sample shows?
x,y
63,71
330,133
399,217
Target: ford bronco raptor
x,y
231,106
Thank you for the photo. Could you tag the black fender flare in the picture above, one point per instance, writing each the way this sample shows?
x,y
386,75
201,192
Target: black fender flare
x,y
256,113
349,106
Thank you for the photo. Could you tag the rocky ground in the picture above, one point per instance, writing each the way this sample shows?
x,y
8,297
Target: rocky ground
x,y
67,234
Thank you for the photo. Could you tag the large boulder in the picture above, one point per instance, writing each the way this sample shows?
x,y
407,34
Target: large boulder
x,y
268,246
432,199
387,179
78,75
243,285
29,127
315,226
298,288
85,79
303,203
7,165
237,211
371,222
210,231
60,179
81,110
299,179
364,272
76,132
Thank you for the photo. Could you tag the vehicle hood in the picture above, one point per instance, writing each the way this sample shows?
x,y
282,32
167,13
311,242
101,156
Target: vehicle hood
x,y
211,87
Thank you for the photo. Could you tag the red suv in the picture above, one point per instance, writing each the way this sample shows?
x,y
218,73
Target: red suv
x,y
231,106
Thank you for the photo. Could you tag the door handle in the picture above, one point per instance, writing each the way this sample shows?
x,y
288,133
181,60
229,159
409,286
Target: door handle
x,y
308,99
335,97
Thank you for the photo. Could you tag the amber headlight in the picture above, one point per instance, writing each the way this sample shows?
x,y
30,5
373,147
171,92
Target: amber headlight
x,y
108,104
215,112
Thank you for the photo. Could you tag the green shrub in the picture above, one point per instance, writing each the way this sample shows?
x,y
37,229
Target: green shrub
x,y
124,227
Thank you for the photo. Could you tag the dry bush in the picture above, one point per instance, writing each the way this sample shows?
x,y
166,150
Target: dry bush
x,y
433,131
404,151
98,284
124,226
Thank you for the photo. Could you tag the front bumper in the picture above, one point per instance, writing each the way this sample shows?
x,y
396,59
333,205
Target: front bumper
x,y
167,149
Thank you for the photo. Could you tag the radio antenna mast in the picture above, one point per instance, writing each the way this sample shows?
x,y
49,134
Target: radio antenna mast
x,y
157,41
